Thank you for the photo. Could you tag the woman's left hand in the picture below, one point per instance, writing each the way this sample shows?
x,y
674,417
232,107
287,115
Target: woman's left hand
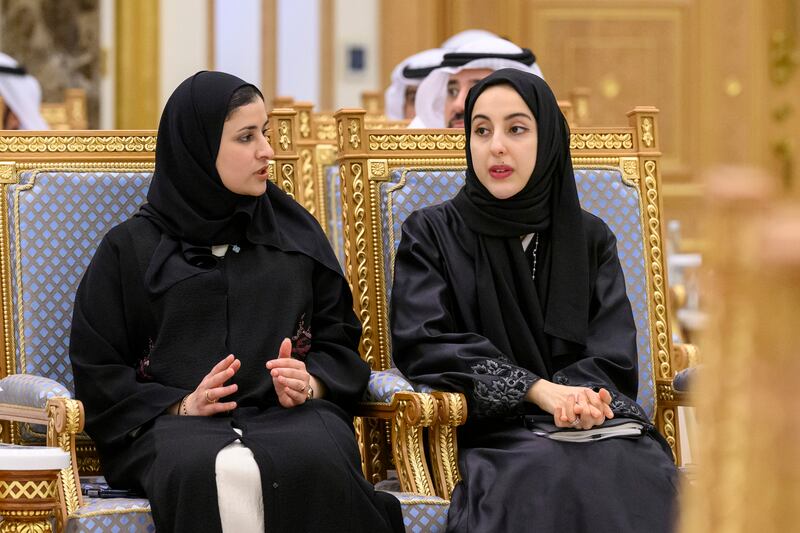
x,y
290,376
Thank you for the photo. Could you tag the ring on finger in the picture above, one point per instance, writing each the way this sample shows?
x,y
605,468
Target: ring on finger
x,y
577,422
208,397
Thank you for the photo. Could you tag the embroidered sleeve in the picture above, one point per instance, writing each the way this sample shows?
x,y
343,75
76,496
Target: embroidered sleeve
x,y
620,404
500,388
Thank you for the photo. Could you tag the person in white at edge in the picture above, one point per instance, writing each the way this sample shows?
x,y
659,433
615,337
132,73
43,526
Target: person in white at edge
x,y
21,95
463,37
441,96
406,77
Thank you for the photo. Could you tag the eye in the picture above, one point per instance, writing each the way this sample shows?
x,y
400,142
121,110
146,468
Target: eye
x,y
247,137
480,131
516,130
452,91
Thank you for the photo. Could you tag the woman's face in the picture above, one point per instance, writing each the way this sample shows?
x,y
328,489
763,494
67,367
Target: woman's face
x,y
244,151
503,142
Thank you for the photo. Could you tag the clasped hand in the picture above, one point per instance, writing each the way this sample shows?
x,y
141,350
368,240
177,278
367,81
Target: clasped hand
x,y
572,407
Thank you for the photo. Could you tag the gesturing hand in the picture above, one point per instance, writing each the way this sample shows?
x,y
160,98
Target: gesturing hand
x,y
572,407
204,401
289,376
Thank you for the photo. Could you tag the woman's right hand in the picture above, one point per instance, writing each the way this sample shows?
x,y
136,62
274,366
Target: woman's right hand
x,y
204,401
571,407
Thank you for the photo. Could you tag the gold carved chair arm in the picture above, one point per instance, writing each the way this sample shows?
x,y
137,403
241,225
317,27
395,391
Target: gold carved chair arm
x,y
451,408
65,419
408,413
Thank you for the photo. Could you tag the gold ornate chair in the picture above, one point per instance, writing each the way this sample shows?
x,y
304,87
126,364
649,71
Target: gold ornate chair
x,y
58,196
387,174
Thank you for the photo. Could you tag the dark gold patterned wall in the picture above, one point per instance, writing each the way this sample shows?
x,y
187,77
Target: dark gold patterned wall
x,y
58,42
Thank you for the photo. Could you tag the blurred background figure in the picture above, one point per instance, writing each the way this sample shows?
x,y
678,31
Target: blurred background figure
x,y
463,37
22,97
441,96
406,77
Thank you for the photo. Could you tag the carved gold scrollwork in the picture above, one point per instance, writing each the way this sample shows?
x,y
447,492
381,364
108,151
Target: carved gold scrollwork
x,y
355,134
359,213
630,171
65,143
348,258
326,132
7,173
411,141
305,124
668,416
340,134
595,141
647,132
285,134
413,413
666,392
307,177
452,412
287,181
656,270
375,442
65,420
378,169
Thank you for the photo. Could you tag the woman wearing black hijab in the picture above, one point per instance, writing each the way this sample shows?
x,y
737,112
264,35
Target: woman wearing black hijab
x,y
514,296
213,343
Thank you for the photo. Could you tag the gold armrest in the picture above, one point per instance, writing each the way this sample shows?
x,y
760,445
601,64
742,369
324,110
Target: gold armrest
x,y
65,419
452,412
685,355
408,413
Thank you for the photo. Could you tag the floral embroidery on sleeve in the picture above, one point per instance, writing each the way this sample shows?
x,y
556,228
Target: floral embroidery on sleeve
x,y
143,368
301,341
500,387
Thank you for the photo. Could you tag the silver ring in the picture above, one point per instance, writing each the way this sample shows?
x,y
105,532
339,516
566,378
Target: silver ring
x,y
577,422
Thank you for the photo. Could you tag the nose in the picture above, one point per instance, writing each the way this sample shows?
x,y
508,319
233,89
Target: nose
x,y
461,100
497,146
265,150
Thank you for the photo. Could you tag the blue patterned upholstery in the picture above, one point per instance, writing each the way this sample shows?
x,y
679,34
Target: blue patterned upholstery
x,y
602,192
384,383
423,514
118,515
405,192
56,221
333,206
30,391
62,217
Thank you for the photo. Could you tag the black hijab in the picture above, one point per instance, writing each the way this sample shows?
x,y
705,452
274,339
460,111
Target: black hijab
x,y
521,317
188,202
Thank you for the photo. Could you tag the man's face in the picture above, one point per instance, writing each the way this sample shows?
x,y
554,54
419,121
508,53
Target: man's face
x,y
458,86
409,111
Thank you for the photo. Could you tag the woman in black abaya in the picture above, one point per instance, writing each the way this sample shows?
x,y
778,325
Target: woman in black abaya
x,y
514,296
213,343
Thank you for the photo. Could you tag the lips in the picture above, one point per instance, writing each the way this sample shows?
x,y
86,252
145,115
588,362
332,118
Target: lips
x,y
262,171
500,172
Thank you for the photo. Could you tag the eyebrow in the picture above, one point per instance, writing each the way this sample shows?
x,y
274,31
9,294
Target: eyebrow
x,y
507,117
247,128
